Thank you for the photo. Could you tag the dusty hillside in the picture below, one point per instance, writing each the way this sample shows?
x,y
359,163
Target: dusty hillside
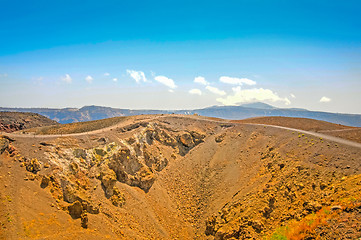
x,y
177,177
15,121
337,130
298,123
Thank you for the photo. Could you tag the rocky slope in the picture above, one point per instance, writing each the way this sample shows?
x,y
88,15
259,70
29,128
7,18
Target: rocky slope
x,y
177,177
15,121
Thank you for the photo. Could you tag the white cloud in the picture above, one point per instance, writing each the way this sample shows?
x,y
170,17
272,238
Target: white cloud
x,y
166,81
115,79
89,79
67,78
195,91
138,76
237,81
106,74
325,99
216,90
201,80
252,95
171,90
292,95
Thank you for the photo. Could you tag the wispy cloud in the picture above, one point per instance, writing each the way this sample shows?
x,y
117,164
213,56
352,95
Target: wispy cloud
x,y
252,95
195,91
89,79
4,75
237,81
201,80
67,79
138,76
115,79
166,81
216,90
292,95
325,99
106,74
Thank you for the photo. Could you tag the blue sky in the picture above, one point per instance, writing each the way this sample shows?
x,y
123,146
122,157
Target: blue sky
x,y
181,54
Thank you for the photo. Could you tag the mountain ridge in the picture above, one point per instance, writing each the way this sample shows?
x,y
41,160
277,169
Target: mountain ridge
x,y
92,112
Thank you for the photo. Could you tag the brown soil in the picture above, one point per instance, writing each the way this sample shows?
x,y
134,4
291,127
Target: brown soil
x,y
15,121
179,177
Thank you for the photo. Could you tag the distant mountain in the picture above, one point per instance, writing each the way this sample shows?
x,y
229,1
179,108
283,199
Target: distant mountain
x,y
258,105
87,113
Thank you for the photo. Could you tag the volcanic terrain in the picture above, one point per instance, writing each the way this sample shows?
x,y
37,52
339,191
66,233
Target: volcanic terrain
x,y
181,177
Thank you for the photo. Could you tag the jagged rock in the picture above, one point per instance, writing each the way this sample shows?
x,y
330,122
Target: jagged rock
x,y
4,144
187,140
312,206
80,153
33,165
70,194
130,170
75,210
197,137
157,162
108,179
84,219
117,199
210,225
227,232
257,225
90,208
146,180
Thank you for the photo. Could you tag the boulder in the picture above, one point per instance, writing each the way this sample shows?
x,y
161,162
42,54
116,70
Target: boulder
x,y
187,140
220,138
44,182
75,210
33,165
312,206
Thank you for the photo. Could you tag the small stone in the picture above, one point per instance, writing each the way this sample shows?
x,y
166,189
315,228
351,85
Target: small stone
x,y
323,186
44,182
336,207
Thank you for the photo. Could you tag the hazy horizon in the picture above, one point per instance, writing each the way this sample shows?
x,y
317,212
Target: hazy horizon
x,y
181,55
